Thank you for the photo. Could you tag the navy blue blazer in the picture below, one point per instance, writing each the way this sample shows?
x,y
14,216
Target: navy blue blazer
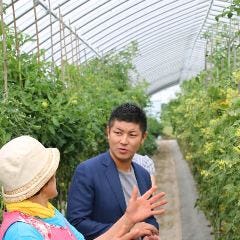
x,y
96,200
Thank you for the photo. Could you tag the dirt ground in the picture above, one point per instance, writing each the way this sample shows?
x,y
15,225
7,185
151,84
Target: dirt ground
x,y
170,222
182,220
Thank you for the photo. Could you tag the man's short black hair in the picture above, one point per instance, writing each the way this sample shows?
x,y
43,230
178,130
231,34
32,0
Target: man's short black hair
x,y
129,112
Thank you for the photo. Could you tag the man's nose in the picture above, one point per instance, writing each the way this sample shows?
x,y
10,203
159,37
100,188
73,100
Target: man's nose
x,y
124,139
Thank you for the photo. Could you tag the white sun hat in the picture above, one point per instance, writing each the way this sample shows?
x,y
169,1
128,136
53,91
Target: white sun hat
x,y
25,167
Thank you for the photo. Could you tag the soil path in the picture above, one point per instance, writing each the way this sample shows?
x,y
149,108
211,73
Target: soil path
x,y
181,221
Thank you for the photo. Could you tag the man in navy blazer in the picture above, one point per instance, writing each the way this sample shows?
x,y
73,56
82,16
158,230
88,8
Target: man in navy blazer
x,y
101,186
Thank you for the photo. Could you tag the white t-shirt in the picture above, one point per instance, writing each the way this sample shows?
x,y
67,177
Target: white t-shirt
x,y
145,162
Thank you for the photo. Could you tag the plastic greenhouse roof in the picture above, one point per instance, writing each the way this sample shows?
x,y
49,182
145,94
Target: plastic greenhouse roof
x,y
168,32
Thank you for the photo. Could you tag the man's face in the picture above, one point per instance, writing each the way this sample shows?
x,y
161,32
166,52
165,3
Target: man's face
x,y
124,140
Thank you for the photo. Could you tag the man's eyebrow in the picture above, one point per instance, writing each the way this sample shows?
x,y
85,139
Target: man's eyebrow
x,y
133,131
117,128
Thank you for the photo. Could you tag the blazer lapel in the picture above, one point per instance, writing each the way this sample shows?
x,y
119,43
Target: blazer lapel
x,y
140,180
114,181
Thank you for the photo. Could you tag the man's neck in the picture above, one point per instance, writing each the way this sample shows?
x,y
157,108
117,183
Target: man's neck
x,y
123,166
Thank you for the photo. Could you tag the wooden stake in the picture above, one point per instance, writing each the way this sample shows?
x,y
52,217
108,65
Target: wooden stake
x,y
66,72
60,31
64,40
17,46
37,32
51,32
5,70
78,54
229,43
71,39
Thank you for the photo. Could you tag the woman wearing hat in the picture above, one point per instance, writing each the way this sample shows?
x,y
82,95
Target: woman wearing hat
x,y
27,175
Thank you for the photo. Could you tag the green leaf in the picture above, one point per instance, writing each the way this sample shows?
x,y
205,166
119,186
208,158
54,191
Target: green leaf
x,y
55,121
229,14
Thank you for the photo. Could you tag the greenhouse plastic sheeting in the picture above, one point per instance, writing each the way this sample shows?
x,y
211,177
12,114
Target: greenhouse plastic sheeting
x,y
168,32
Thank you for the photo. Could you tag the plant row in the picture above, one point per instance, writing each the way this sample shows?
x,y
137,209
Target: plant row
x,y
205,118
65,107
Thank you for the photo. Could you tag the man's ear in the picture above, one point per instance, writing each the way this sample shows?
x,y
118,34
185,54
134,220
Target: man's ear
x,y
107,132
144,137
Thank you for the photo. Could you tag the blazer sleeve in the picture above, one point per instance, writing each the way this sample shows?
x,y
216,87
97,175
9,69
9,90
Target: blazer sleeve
x,y
79,209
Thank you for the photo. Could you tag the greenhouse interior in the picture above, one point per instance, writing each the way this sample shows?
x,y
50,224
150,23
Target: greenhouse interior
x,y
66,64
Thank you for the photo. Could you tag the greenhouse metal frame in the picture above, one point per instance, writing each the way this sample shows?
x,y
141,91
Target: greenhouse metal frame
x,y
169,33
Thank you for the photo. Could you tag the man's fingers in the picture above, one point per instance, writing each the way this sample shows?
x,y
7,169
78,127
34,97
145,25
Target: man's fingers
x,y
148,193
134,234
131,235
158,204
158,212
156,197
134,194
